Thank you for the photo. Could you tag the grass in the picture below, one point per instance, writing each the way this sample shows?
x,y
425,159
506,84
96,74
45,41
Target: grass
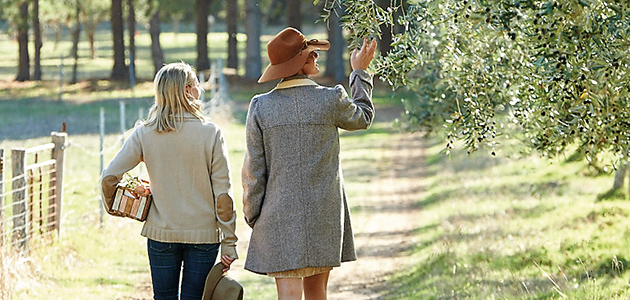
x,y
529,228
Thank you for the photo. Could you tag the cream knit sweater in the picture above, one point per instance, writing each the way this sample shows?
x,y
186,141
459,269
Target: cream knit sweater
x,y
190,182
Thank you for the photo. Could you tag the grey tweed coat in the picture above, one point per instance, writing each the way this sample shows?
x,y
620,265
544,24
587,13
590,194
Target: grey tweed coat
x,y
294,197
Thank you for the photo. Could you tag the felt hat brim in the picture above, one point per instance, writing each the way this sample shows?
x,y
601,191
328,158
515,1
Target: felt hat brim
x,y
294,64
220,286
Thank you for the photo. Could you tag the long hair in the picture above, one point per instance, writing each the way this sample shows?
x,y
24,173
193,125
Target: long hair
x,y
171,100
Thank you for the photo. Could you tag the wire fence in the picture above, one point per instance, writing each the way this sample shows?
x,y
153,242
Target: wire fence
x,y
30,197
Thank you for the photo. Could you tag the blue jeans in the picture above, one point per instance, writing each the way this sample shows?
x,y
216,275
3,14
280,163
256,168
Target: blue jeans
x,y
166,261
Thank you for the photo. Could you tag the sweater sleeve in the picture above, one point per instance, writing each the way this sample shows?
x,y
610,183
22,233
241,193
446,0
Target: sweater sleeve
x,y
222,190
129,156
358,112
254,172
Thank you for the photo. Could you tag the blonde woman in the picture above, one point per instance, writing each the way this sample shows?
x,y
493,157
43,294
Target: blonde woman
x,y
293,194
192,214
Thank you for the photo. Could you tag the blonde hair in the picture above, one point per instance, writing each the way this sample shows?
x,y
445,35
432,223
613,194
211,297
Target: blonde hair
x,y
171,99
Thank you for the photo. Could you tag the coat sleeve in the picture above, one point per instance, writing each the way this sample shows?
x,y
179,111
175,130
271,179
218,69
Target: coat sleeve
x,y
222,191
254,172
358,112
129,156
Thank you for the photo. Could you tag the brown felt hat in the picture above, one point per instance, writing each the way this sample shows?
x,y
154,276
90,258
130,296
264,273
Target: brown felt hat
x,y
287,52
219,286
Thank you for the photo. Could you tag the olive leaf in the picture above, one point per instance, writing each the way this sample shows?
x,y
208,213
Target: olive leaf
x,y
552,73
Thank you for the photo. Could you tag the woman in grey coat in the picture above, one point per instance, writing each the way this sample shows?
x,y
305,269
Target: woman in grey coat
x,y
294,198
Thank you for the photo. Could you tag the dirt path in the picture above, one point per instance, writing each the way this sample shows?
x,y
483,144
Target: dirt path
x,y
384,224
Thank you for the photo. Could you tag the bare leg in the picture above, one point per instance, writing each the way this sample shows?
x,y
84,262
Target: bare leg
x,y
316,287
289,288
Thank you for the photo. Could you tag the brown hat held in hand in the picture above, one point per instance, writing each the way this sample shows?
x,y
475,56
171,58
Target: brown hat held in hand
x,y
287,52
220,286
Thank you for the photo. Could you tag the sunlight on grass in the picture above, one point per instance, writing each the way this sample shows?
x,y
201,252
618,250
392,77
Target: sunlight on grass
x,y
502,222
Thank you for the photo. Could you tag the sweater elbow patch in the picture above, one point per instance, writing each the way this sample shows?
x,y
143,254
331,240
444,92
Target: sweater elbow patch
x,y
225,208
109,184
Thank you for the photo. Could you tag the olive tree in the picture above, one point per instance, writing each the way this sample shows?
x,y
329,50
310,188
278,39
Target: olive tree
x,y
557,71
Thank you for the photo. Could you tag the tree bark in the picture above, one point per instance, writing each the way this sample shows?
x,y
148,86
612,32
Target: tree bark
x,y
76,31
273,15
201,23
156,48
398,28
294,14
90,31
253,64
37,36
23,57
119,70
335,66
57,25
620,175
131,27
232,30
384,45
176,21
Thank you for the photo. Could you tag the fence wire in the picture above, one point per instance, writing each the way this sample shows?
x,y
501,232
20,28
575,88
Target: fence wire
x,y
28,212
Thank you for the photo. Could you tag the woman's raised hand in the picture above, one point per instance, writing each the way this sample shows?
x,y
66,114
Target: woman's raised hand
x,y
360,59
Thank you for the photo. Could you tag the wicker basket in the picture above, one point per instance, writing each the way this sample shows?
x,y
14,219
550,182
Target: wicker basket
x,y
130,204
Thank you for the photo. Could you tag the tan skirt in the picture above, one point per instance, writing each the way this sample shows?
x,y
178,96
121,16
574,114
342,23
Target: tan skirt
x,y
300,273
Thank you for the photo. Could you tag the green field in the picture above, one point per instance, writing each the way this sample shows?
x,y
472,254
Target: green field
x,y
527,228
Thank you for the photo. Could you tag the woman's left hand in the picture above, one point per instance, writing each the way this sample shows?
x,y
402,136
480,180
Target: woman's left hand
x,y
227,261
361,59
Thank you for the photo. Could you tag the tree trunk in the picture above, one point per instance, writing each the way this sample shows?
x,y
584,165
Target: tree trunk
x,y
398,28
335,66
620,175
119,71
232,30
156,48
201,23
37,32
294,14
253,64
176,20
23,58
76,31
57,25
384,45
131,27
90,30
273,16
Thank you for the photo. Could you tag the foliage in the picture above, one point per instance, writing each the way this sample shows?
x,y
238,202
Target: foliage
x,y
557,70
94,11
361,17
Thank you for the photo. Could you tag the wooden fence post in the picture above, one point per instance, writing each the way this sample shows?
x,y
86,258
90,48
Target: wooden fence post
x,y
1,198
58,153
20,213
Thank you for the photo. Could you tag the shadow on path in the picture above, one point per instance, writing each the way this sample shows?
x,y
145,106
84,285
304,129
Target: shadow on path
x,y
385,218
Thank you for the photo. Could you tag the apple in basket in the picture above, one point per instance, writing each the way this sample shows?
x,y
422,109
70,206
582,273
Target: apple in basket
x,y
138,186
143,190
140,190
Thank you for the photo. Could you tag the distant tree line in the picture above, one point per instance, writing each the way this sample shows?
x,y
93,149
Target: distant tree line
x,y
27,18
